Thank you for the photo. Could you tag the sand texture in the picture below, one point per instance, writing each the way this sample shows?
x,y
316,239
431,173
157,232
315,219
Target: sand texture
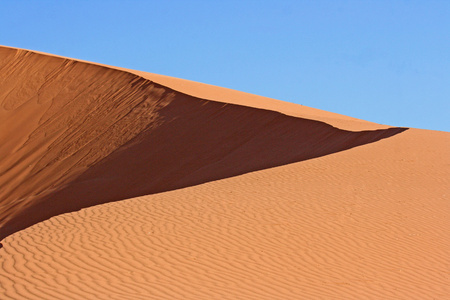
x,y
121,184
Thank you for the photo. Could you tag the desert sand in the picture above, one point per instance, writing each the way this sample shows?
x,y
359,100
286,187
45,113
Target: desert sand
x,y
122,184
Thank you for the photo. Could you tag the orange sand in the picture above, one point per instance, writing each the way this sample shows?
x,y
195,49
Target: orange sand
x,y
240,197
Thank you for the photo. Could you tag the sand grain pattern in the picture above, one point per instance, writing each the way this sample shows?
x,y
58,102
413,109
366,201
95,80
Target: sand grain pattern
x,y
222,195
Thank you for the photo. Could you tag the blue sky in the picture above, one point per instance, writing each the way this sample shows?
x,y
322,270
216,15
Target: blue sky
x,y
383,61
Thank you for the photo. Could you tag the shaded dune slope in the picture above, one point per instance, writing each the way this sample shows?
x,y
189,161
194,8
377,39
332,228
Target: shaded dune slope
x,y
76,134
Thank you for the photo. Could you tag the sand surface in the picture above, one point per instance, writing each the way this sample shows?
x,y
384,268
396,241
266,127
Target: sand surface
x,y
120,184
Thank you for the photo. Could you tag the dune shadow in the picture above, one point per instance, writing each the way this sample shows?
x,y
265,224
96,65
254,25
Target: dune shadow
x,y
198,141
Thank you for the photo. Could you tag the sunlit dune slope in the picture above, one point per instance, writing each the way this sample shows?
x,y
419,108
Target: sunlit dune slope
x,y
371,222
78,134
225,95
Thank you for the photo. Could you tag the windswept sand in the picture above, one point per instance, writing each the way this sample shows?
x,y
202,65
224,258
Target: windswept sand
x,y
120,184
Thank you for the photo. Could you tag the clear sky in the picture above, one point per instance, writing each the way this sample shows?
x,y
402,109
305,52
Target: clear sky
x,y
382,61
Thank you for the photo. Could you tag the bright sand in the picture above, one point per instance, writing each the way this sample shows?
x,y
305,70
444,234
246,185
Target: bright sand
x,y
120,184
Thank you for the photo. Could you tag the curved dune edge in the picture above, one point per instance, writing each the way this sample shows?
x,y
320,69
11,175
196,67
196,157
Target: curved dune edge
x,y
80,134
211,92
368,223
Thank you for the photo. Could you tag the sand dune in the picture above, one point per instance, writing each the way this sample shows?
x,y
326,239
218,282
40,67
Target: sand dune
x,y
238,196
99,135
